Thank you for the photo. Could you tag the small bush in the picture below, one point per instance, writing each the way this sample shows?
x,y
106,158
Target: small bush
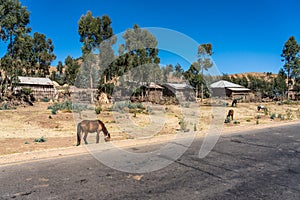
x,y
45,99
289,114
227,120
272,116
41,139
5,106
258,117
26,142
148,110
26,91
195,127
248,120
54,111
236,122
140,106
98,110
257,121
298,113
183,124
280,116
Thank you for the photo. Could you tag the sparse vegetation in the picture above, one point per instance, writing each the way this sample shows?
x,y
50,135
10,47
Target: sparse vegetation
x,y
183,124
280,116
273,116
227,120
98,109
41,139
289,114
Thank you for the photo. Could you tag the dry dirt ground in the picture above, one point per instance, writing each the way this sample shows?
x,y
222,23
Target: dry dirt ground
x,y
19,128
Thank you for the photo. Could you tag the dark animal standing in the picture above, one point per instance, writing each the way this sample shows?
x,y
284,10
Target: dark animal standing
x,y
90,126
230,114
234,102
261,108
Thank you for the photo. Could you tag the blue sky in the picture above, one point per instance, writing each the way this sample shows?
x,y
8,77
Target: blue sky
x,y
247,36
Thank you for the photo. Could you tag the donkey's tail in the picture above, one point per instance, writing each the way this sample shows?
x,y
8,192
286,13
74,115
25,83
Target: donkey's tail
x,y
79,129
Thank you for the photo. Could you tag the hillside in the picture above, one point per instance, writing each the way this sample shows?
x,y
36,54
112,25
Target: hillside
x,y
261,75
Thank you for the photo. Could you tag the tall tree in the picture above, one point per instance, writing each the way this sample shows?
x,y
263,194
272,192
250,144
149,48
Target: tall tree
x,y
43,50
60,67
178,73
194,76
89,29
71,70
204,58
96,34
13,23
141,47
290,55
166,72
280,86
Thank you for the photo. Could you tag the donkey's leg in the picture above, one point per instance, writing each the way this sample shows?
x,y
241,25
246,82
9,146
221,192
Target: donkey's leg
x,y
84,137
97,137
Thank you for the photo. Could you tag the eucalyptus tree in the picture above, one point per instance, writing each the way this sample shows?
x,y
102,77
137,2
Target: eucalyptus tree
x,y
178,73
204,59
290,57
71,69
96,34
43,53
14,19
280,86
194,76
141,47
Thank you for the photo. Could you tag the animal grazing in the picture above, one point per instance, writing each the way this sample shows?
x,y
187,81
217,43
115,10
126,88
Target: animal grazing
x,y
234,102
260,107
230,114
90,126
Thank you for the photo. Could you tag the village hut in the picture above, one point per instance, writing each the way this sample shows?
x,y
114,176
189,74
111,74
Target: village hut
x,y
228,89
182,91
153,92
40,87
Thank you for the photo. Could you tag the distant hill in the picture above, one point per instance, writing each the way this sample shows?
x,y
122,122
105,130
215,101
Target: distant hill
x,y
262,75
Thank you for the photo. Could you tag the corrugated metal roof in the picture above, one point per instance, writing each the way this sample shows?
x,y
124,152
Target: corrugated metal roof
x,y
34,81
239,89
154,86
179,86
225,84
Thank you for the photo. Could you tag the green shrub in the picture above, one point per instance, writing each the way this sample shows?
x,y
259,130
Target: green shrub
x,y
45,99
54,110
26,91
182,124
280,116
272,116
227,120
289,114
98,110
236,122
41,139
